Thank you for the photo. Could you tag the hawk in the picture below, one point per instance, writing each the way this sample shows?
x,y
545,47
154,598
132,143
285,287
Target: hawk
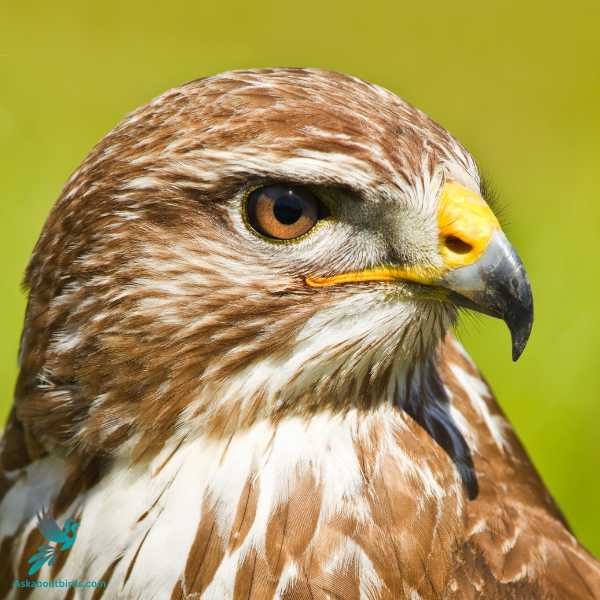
x,y
237,372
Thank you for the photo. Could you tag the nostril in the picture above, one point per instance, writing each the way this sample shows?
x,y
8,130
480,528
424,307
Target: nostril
x,y
457,245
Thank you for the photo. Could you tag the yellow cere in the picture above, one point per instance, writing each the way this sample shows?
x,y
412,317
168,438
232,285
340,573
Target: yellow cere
x,y
466,225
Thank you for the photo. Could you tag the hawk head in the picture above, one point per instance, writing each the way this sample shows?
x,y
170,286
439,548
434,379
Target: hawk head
x,y
252,245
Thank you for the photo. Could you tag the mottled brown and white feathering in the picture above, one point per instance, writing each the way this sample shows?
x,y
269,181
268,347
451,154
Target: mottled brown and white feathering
x,y
220,426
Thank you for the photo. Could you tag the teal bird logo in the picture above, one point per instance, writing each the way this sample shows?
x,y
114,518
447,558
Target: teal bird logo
x,y
58,540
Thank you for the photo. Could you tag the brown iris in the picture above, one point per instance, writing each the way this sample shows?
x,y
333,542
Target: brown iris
x,y
283,212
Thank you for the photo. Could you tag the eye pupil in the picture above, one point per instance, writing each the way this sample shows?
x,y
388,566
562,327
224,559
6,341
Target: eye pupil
x,y
283,212
288,209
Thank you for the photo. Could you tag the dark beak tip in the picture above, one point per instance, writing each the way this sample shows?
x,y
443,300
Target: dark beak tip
x,y
517,349
520,325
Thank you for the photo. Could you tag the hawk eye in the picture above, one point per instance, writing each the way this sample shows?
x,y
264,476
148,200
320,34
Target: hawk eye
x,y
283,212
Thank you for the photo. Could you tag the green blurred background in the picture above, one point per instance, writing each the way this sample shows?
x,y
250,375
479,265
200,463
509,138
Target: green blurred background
x,y
517,83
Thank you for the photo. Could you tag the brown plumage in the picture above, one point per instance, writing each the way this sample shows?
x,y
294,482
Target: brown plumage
x,y
229,414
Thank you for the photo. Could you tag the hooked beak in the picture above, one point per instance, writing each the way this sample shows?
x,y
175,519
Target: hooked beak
x,y
480,269
496,285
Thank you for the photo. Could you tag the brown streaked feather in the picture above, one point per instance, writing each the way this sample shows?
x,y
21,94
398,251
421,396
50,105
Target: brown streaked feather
x,y
342,584
205,555
83,474
106,576
33,541
245,514
253,578
133,561
18,448
292,525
